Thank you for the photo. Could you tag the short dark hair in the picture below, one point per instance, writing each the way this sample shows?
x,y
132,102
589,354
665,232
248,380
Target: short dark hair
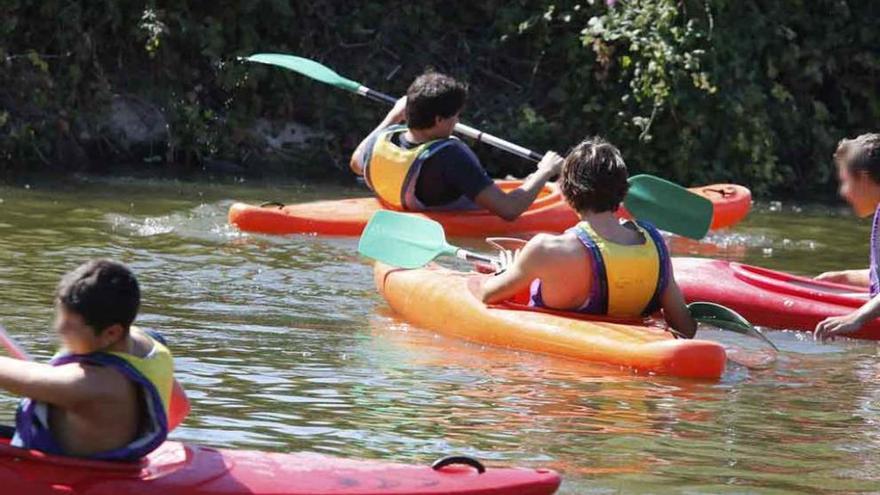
x,y
103,292
433,95
861,153
594,176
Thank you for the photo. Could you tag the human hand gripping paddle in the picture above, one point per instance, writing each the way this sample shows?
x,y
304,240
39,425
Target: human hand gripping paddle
x,y
668,206
179,407
410,241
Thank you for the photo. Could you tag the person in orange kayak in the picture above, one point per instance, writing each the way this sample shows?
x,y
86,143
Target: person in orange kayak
x,y
601,266
420,166
858,169
106,395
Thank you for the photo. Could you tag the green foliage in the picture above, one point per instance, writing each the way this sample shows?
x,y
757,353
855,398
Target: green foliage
x,y
697,91
752,91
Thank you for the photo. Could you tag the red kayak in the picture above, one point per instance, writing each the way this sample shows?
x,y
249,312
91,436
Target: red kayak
x,y
181,469
769,298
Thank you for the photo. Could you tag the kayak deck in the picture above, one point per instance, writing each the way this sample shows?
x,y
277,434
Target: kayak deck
x,y
180,469
549,213
770,298
442,300
348,217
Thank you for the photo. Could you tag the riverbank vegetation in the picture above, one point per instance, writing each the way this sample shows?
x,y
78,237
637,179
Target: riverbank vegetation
x,y
695,91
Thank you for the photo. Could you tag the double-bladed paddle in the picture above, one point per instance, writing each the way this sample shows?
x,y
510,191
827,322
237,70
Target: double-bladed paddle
x,y
667,205
326,75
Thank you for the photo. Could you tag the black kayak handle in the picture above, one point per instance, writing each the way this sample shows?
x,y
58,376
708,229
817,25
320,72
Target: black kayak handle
x,y
458,459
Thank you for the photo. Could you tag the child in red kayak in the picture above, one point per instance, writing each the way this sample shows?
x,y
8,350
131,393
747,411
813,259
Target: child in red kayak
x,y
106,395
858,168
602,265
420,166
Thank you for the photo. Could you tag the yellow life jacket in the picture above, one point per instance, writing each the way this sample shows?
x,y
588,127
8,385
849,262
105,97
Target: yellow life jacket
x,y
392,171
158,367
627,280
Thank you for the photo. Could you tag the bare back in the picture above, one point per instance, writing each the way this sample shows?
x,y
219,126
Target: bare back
x,y
112,421
565,269
563,265
567,279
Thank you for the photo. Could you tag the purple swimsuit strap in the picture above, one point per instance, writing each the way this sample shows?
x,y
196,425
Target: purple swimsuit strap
x,y
875,262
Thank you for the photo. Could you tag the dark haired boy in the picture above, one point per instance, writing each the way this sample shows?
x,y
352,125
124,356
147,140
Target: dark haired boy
x,y
858,169
420,166
602,265
106,395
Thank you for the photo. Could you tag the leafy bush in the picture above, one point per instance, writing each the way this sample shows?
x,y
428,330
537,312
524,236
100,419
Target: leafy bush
x,y
694,90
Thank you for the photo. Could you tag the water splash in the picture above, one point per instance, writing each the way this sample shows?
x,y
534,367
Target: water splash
x,y
206,222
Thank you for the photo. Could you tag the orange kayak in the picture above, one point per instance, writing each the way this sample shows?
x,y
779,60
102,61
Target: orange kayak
x,y
549,213
443,300
732,203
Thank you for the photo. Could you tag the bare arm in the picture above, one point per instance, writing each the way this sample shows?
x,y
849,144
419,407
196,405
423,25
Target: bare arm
x,y
63,386
517,277
859,278
675,310
846,324
870,310
511,205
395,116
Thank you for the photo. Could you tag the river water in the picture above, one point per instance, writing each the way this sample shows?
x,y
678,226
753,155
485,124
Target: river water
x,y
283,344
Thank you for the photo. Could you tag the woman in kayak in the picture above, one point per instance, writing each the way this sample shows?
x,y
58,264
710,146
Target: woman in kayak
x,y
602,265
420,166
106,394
858,169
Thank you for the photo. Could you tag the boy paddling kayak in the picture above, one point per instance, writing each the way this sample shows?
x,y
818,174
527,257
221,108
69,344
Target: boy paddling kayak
x,y
106,395
858,169
602,265
420,166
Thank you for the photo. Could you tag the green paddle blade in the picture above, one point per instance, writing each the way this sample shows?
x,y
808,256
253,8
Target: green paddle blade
x,y
406,241
726,319
306,67
668,206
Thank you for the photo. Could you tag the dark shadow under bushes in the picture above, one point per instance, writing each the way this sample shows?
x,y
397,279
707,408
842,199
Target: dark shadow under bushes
x,y
696,91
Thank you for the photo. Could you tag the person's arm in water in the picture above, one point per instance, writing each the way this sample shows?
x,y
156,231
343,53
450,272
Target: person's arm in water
x,y
510,205
63,386
675,310
859,278
836,326
518,273
395,116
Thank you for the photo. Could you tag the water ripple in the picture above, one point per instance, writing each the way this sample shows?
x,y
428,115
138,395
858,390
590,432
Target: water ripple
x,y
283,344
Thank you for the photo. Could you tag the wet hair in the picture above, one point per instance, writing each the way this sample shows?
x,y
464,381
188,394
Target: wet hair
x,y
594,176
433,95
860,154
103,292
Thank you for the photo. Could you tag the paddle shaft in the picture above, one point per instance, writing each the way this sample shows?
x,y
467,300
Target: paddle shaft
x,y
12,347
474,257
462,129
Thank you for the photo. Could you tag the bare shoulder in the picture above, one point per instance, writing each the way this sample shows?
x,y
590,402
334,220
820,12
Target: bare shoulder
x,y
95,381
552,247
